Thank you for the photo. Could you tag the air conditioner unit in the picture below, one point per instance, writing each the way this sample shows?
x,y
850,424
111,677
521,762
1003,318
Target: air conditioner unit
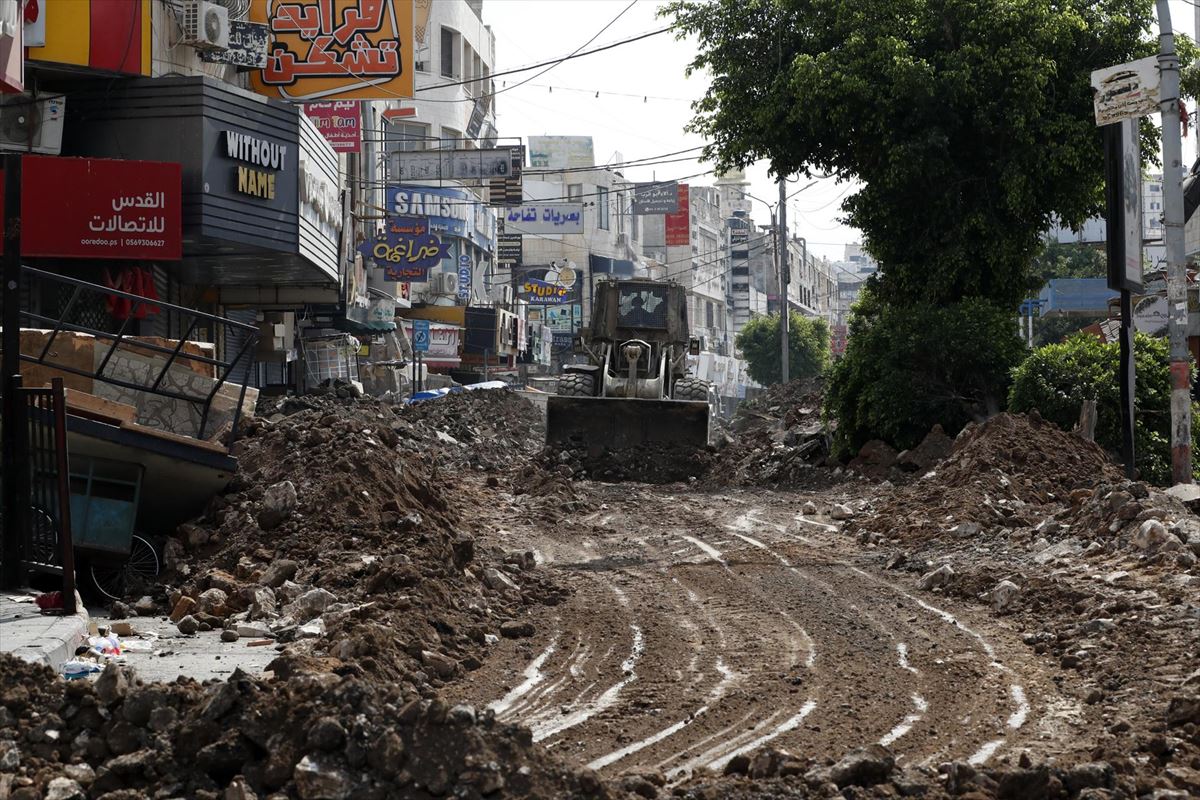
x,y
504,295
205,25
446,283
30,125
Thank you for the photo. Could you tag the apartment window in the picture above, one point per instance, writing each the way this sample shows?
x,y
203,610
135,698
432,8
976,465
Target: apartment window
x,y
574,191
451,53
450,138
602,208
407,137
634,233
709,315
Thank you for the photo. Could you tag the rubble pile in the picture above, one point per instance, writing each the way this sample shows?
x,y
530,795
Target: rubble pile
x,y
493,425
774,440
316,737
655,462
1012,471
873,772
339,540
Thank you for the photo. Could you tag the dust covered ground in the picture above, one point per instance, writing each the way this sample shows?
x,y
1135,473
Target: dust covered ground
x,y
458,613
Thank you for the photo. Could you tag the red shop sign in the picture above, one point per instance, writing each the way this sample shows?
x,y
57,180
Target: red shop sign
x,y
679,225
339,121
101,208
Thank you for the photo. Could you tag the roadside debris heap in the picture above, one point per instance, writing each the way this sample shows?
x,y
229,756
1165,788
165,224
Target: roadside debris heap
x,y
775,439
316,737
1011,471
339,539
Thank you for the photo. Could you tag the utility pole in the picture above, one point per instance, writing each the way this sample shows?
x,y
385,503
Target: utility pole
x,y
1181,384
785,309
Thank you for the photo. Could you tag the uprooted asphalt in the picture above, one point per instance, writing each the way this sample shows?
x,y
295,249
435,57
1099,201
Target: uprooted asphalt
x,y
451,611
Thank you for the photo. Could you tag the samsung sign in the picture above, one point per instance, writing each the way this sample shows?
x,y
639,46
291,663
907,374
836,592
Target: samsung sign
x,y
450,211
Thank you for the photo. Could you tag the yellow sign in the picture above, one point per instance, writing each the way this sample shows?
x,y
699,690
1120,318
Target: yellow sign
x,y
336,49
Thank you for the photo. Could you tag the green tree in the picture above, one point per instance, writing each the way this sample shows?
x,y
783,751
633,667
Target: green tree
x,y
968,123
906,369
1057,378
1066,260
808,347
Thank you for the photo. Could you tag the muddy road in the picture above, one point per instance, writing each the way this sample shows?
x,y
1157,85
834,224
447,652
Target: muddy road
x,y
706,626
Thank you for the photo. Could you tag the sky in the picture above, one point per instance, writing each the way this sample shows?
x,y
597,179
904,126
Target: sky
x,y
643,105
645,99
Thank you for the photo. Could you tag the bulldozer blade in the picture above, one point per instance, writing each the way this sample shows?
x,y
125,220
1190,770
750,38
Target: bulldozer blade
x,y
618,423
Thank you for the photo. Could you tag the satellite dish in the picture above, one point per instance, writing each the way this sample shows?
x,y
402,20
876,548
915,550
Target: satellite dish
x,y
566,276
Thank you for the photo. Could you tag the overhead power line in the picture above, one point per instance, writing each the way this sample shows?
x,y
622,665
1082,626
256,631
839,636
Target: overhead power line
x,y
554,62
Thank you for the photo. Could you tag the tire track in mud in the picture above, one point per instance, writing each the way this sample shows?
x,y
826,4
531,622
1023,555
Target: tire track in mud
x,y
732,630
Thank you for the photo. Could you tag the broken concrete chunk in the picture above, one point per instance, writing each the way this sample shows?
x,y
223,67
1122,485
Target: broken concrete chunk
x,y
1151,535
188,626
311,604
497,580
278,503
840,512
1005,596
278,572
938,578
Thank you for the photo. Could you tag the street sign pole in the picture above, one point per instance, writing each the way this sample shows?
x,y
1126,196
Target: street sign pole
x,y
1181,383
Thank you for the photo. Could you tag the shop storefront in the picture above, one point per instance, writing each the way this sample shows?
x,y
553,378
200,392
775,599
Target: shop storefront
x,y
261,206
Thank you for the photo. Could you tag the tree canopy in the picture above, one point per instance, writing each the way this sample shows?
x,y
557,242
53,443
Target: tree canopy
x,y
968,122
808,347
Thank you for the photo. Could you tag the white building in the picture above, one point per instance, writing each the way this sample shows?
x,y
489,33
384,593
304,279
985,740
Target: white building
x,y
453,108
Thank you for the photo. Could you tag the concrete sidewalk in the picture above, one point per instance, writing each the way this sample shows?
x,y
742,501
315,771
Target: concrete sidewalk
x,y
39,638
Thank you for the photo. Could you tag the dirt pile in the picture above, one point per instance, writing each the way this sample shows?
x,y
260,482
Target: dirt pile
x,y
341,538
774,439
494,425
648,463
1011,471
311,737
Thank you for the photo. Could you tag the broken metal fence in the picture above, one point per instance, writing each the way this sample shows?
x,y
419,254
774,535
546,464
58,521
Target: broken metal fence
x,y
225,370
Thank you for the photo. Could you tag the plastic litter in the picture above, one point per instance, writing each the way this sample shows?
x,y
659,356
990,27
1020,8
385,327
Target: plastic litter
x,y
75,669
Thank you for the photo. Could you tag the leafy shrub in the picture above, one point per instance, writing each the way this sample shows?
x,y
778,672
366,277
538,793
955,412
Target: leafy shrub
x,y
1057,378
906,369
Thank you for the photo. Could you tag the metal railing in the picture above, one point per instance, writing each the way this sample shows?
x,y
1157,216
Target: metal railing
x,y
222,369
42,516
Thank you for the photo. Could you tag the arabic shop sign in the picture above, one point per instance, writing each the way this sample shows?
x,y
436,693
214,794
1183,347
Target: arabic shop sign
x,y
336,49
248,42
339,122
405,250
256,152
655,198
101,208
545,218
450,211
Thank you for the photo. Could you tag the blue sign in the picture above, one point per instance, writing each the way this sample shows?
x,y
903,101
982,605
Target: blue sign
x,y
451,212
420,339
405,250
464,277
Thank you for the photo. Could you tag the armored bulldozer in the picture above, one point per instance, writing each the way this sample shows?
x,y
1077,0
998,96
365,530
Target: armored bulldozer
x,y
634,388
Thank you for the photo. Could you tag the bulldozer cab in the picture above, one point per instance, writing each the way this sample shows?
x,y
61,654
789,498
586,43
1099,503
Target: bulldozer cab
x,y
647,310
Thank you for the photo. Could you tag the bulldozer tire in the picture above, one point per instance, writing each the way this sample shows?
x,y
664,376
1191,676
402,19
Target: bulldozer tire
x,y
576,384
690,389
